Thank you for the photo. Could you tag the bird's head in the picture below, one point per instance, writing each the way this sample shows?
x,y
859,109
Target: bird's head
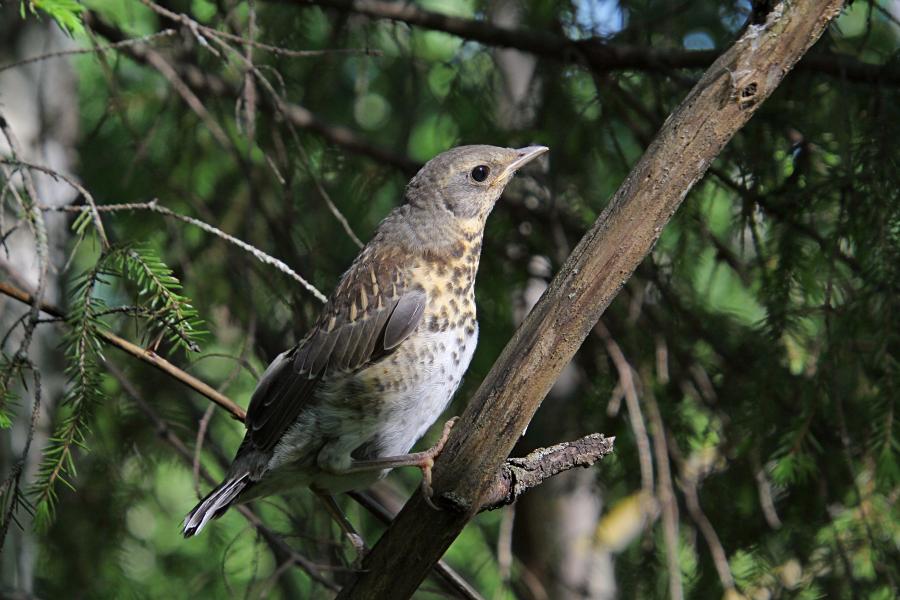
x,y
465,182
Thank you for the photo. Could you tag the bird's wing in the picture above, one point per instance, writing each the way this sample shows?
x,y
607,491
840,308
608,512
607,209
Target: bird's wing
x,y
368,315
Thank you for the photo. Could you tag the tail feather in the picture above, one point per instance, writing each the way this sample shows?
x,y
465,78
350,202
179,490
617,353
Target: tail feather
x,y
214,504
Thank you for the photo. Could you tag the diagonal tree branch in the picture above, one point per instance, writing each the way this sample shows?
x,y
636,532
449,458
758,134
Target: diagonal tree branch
x,y
595,52
725,98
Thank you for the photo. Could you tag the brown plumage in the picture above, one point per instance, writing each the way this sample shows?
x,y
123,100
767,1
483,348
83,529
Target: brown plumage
x,y
388,351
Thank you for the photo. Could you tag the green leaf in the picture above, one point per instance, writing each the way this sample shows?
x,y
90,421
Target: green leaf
x,y
66,13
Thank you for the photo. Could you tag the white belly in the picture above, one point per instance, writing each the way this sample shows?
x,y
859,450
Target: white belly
x,y
410,412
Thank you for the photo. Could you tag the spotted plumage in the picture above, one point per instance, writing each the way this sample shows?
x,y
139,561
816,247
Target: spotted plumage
x,y
388,350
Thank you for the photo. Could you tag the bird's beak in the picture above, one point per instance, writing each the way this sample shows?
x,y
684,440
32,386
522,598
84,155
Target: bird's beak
x,y
523,157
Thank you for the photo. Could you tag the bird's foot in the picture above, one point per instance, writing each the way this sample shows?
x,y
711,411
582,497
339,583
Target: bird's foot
x,y
424,460
428,462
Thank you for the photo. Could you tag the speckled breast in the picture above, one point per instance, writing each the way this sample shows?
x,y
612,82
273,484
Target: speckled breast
x,y
423,374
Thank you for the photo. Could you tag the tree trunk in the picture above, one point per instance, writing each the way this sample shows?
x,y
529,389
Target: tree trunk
x,y
39,102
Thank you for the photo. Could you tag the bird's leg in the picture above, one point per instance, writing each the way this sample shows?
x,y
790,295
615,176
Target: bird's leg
x,y
424,460
359,545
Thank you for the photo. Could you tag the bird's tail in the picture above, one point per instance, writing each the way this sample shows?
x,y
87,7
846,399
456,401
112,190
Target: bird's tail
x,y
214,504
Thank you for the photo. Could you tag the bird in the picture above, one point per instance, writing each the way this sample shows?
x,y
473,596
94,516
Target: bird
x,y
386,354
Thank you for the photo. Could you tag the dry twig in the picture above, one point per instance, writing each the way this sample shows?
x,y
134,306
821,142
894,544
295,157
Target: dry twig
x,y
635,416
56,175
666,496
116,46
154,206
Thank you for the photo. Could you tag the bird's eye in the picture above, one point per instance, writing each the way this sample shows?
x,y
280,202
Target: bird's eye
x,y
480,173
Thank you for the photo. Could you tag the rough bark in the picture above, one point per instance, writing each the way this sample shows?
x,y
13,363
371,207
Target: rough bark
x,y
517,475
724,99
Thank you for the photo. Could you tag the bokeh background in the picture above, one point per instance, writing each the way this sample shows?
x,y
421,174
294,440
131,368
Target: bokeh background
x,y
749,369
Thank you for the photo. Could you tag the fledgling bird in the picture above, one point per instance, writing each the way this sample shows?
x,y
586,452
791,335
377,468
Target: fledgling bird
x,y
345,405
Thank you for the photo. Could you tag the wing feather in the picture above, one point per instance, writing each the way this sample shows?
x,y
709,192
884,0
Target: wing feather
x,y
349,335
405,318
343,352
279,409
324,345
366,333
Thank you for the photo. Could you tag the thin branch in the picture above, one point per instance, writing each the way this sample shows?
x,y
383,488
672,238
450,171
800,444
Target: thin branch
x,y
690,480
198,447
276,100
56,175
156,60
666,496
153,206
35,219
294,113
275,541
249,96
635,416
196,27
279,104
115,46
504,549
347,138
345,224
764,490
